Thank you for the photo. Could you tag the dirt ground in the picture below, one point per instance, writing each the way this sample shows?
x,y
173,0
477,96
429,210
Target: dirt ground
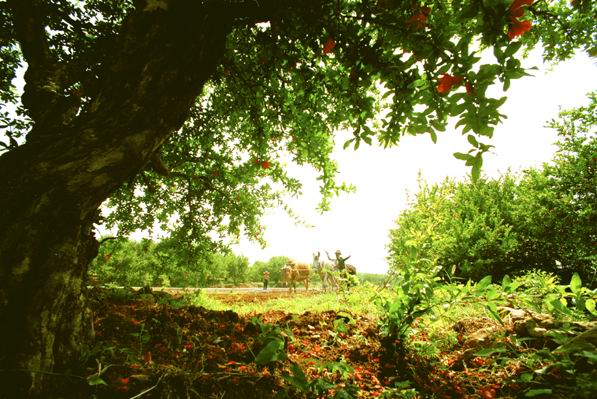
x,y
146,347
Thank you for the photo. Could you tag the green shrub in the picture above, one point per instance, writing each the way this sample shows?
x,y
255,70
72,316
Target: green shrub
x,y
544,219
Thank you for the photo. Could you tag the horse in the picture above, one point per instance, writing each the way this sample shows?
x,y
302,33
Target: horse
x,y
294,271
326,272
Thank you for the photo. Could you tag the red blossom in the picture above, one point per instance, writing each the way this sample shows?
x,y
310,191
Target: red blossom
x,y
517,7
124,380
265,164
188,346
518,28
516,11
329,46
419,20
446,82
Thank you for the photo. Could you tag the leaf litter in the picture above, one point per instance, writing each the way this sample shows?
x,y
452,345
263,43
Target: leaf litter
x,y
146,347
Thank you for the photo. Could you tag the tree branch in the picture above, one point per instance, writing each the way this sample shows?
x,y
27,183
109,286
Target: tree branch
x,y
41,86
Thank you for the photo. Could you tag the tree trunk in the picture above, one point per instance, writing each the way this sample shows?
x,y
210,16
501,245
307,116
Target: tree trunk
x,y
53,185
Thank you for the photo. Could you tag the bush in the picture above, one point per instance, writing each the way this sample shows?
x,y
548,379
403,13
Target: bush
x,y
463,228
545,219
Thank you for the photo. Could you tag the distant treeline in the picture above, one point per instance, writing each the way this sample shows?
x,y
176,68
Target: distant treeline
x,y
167,263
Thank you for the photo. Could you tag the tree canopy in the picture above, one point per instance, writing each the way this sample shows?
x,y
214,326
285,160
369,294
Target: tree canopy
x,y
292,74
187,112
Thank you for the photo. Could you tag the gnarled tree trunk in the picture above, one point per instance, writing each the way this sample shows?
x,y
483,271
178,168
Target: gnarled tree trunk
x,y
53,185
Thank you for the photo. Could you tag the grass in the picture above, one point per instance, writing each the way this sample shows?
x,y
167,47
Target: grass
x,y
360,300
456,346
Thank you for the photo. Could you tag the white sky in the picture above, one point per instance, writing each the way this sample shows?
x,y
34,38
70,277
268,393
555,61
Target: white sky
x,y
359,223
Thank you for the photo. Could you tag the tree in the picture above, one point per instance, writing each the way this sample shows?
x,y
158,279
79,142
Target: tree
x,y
273,266
458,229
184,112
544,219
556,209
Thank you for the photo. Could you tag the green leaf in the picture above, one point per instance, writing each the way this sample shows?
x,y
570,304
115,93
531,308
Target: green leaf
x,y
536,392
491,294
492,308
298,378
506,282
525,377
575,283
95,380
462,156
476,171
273,351
483,283
512,48
472,140
590,306
433,137
499,54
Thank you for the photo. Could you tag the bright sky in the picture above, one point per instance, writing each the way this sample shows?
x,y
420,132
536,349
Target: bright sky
x,y
359,223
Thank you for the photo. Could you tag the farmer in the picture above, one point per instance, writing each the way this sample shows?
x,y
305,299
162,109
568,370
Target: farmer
x,y
265,279
339,261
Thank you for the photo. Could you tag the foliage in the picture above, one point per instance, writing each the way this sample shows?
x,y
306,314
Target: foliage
x,y
462,228
543,220
273,266
556,211
372,278
545,350
452,349
543,292
166,263
359,299
312,69
185,115
273,341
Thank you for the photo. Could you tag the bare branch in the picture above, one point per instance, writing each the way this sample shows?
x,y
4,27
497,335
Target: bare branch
x,y
103,240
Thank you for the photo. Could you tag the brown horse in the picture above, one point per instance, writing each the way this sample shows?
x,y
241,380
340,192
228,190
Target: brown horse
x,y
294,271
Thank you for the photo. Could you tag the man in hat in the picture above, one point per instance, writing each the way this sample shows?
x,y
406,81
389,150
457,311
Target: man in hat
x,y
265,279
339,261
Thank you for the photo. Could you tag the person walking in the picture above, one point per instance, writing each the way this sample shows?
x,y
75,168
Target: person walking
x,y
265,279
